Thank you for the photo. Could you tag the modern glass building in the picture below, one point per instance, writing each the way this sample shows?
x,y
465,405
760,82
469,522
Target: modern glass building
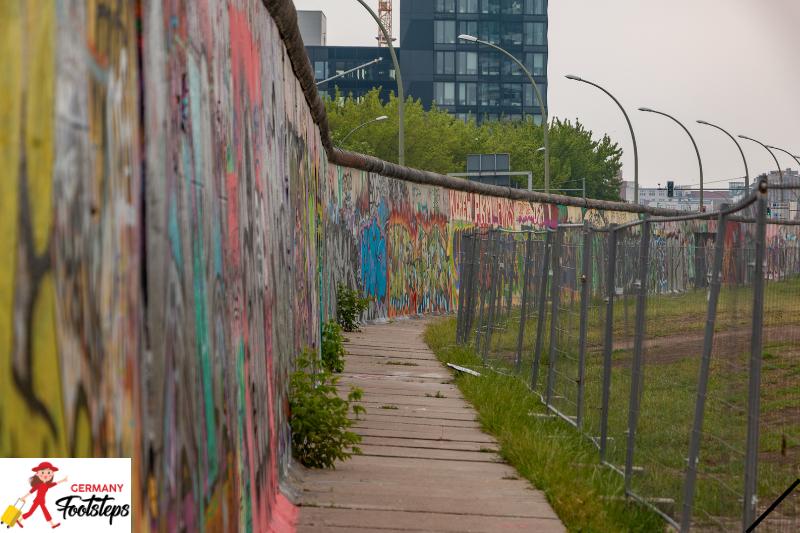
x,y
461,77
327,61
468,79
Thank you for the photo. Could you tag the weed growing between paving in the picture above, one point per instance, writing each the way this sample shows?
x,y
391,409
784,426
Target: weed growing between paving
x,y
319,421
553,456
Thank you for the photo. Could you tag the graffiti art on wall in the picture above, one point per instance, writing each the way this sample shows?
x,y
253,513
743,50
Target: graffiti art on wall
x,y
172,236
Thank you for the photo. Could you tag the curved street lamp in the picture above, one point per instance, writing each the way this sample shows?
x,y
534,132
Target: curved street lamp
x,y
739,146
697,151
472,39
795,157
376,119
401,143
777,164
630,127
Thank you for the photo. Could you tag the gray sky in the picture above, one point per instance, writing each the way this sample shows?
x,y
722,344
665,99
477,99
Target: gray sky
x,y
732,62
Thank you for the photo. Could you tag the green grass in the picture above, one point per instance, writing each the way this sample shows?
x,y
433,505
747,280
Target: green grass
x,y
671,371
549,453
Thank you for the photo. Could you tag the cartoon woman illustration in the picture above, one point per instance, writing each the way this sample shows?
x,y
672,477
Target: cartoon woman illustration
x,y
41,482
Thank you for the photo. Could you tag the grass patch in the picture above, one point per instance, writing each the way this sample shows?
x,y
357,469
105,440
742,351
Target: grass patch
x,y
401,363
528,443
389,407
437,395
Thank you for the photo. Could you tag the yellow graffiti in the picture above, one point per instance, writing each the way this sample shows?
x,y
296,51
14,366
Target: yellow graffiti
x,y
29,366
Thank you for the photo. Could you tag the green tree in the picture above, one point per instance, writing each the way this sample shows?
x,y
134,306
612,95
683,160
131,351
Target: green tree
x,y
439,141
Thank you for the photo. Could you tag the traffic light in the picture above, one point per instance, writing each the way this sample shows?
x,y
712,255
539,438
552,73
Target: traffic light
x,y
670,189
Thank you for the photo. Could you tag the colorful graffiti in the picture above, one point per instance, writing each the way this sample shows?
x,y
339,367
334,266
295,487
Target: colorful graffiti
x,y
173,235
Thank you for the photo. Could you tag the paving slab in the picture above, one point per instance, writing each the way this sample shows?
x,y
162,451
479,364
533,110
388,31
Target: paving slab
x,y
426,466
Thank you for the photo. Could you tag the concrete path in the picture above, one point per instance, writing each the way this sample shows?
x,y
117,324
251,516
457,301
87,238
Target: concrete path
x,y
426,464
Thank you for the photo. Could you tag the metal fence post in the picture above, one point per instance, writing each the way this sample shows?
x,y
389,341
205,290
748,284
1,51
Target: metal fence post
x,y
754,387
474,270
638,355
555,294
586,294
702,385
608,339
462,279
540,308
511,275
492,312
484,265
523,311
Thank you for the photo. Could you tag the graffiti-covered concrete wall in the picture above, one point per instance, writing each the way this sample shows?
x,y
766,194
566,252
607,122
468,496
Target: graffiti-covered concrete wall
x,y
172,235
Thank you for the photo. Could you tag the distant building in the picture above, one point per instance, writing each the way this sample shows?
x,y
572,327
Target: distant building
x,y
313,27
783,204
464,78
327,61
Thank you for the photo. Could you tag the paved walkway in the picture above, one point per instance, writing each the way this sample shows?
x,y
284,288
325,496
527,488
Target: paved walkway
x,y
426,464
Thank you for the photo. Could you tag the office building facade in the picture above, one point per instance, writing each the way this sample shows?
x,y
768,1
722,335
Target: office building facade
x,y
328,61
467,79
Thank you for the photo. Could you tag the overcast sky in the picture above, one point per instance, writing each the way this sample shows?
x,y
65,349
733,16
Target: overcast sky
x,y
733,62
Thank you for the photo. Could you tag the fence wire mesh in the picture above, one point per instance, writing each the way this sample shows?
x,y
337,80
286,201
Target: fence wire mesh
x,y
672,344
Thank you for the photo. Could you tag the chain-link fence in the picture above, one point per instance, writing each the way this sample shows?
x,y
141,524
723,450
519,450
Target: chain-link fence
x,y
673,344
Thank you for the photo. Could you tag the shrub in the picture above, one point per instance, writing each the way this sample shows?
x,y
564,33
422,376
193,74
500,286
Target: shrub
x,y
319,422
349,306
333,351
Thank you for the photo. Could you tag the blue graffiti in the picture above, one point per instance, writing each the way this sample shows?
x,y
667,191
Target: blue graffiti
x,y
373,261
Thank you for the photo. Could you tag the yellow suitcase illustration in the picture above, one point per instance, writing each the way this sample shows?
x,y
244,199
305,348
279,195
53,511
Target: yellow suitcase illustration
x,y
11,515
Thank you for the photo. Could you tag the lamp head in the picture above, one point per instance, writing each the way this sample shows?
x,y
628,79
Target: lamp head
x,y
703,122
541,149
647,110
573,77
468,38
381,118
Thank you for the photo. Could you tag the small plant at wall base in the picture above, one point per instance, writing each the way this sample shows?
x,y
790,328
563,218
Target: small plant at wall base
x,y
333,351
349,307
318,416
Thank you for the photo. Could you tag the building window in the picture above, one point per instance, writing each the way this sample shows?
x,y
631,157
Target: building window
x,y
444,31
445,62
490,64
534,62
445,6
490,6
510,68
511,95
467,94
490,31
535,7
467,6
468,63
444,93
529,96
468,27
512,34
535,33
512,7
489,94
320,70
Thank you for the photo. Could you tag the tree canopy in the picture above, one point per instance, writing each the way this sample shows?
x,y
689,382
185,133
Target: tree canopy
x,y
439,141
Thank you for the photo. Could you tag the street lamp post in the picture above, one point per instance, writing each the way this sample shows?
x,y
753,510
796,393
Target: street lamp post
x,y
376,119
546,134
401,143
774,157
796,158
697,150
630,127
739,146
346,72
